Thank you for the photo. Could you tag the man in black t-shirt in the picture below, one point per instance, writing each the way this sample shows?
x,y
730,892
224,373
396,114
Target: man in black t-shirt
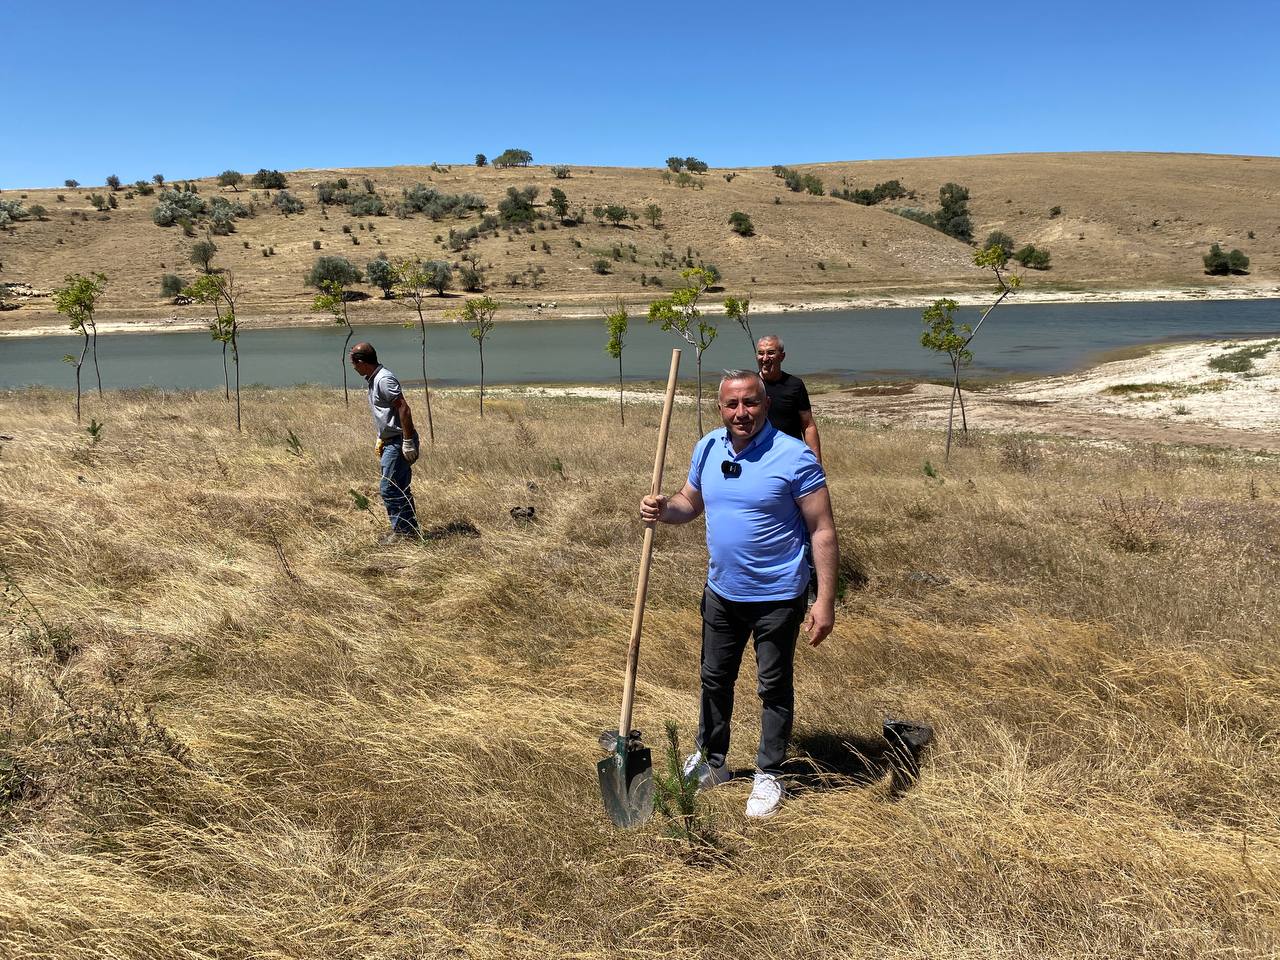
x,y
789,408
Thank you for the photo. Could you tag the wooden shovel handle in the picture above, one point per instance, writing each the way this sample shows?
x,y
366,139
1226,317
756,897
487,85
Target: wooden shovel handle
x,y
646,551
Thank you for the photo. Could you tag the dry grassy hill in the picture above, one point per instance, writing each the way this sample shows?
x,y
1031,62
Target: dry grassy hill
x,y
1128,221
241,730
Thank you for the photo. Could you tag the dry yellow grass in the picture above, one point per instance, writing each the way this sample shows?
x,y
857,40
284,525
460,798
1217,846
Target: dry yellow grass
x,y
391,750
1111,200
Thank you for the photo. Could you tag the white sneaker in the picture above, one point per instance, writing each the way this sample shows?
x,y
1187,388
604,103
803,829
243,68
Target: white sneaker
x,y
766,796
708,776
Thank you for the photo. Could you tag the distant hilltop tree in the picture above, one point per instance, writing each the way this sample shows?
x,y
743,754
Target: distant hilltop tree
x,y
513,158
686,164
113,182
158,178
71,184
481,160
231,178
269,180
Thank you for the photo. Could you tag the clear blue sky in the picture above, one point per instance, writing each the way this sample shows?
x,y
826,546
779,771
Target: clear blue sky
x,y
93,88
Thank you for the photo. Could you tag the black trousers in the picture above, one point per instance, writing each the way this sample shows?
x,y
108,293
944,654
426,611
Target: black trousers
x,y
726,627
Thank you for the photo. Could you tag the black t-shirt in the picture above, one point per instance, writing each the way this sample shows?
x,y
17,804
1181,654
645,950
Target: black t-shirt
x,y
787,400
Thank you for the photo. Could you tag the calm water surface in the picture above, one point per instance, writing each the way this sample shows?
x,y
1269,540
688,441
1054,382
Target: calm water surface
x,y
848,344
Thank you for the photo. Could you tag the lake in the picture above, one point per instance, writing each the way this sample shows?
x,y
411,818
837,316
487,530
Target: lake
x,y
846,344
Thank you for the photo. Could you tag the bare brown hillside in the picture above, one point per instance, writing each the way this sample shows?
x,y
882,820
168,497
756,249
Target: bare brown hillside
x,y
1127,221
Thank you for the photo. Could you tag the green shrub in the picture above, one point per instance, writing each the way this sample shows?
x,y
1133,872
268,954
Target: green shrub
x,y
998,238
287,203
741,224
171,285
334,270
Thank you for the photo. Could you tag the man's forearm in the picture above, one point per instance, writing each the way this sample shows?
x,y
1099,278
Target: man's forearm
x,y
811,440
678,510
406,420
826,558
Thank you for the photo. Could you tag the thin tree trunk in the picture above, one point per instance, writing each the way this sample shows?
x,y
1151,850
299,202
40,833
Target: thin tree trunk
x,y
950,419
94,328
481,342
698,356
235,354
84,348
964,423
226,383
346,397
622,411
426,387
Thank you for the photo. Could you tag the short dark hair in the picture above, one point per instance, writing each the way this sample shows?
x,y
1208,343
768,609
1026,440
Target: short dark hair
x,y
364,352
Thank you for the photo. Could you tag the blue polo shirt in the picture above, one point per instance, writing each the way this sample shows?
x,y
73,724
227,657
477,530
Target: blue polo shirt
x,y
755,530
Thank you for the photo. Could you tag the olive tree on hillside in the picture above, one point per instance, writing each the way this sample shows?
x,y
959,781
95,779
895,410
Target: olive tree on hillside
x,y
616,324
559,202
381,274
333,270
679,314
202,252
77,301
412,281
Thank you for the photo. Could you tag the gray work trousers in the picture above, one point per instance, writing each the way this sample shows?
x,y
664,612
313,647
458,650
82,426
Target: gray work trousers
x,y
726,627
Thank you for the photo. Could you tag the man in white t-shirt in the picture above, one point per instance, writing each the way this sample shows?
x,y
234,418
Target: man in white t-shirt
x,y
397,444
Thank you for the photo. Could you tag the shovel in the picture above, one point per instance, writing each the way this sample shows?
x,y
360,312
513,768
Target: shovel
x,y
626,775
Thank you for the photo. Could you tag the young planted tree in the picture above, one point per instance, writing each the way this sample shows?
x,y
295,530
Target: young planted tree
x,y
77,301
616,324
941,334
739,309
231,178
332,299
478,312
679,314
412,280
219,289
653,213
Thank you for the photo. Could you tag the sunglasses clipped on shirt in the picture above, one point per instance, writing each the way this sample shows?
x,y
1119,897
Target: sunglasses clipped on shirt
x,y
730,469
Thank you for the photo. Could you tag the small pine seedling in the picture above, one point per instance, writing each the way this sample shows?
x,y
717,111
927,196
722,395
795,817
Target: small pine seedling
x,y
360,500
295,445
94,429
929,471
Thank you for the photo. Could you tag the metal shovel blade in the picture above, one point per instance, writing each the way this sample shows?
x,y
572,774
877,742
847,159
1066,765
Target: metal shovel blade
x,y
626,782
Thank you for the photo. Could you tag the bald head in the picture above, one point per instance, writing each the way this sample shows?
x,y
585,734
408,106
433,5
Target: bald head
x,y
364,352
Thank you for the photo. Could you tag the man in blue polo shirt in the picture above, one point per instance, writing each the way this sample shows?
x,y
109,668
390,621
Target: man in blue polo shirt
x,y
761,491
